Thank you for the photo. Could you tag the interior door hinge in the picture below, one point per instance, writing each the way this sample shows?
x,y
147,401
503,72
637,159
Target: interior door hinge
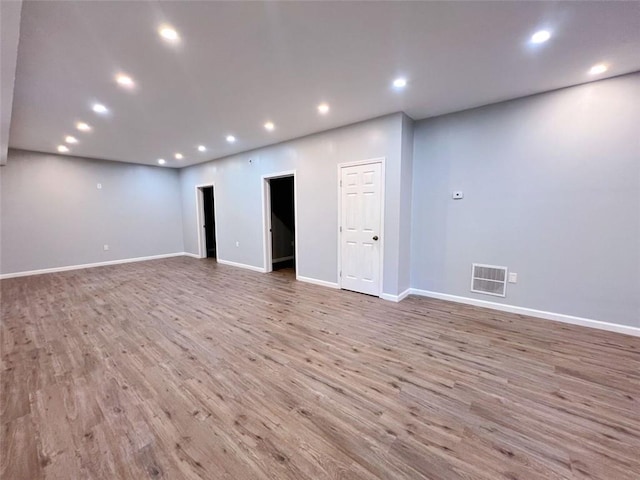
x,y
340,182
340,273
341,228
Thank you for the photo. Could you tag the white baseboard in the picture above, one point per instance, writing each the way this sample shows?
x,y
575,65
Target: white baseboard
x,y
322,283
192,255
89,265
282,259
396,298
241,265
559,317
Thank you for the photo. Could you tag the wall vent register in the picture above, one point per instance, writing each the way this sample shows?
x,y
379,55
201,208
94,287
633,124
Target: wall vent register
x,y
489,279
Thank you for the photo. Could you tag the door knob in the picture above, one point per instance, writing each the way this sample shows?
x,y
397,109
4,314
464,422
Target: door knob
x,y
375,237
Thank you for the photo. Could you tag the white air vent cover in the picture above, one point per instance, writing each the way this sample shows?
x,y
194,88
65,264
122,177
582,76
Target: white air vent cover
x,y
489,279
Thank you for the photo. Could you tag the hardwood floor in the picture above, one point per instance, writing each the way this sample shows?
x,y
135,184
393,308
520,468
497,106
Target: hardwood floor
x,y
185,369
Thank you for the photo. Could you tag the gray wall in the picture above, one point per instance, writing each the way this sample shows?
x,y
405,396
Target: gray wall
x,y
551,183
10,13
315,158
53,215
282,241
552,191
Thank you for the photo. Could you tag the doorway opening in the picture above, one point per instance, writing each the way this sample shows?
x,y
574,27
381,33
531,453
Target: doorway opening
x,y
280,223
207,242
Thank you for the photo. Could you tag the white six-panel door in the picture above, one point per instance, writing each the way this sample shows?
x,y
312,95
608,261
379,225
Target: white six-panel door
x,y
360,222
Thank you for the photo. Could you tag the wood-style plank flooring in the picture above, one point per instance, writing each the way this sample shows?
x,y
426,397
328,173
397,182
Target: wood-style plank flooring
x,y
186,369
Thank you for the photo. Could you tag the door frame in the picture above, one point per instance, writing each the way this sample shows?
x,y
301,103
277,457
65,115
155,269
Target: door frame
x,y
266,218
381,161
202,240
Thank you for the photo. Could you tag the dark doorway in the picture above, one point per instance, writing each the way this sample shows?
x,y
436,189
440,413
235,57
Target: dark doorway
x,y
209,221
282,223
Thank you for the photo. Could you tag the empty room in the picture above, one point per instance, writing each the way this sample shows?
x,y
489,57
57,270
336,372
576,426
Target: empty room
x,y
309,240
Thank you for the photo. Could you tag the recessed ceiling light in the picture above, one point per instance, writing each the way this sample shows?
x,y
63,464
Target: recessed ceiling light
x,y
540,36
269,126
202,148
125,80
168,33
400,82
323,108
63,148
70,139
599,68
231,138
99,108
178,156
161,161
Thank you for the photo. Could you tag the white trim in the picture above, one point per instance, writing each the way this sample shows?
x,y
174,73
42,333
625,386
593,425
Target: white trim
x,y
192,255
322,283
241,265
381,161
558,317
200,220
91,265
396,298
266,217
361,162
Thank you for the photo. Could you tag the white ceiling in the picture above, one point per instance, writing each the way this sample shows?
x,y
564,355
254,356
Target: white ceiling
x,y
240,64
